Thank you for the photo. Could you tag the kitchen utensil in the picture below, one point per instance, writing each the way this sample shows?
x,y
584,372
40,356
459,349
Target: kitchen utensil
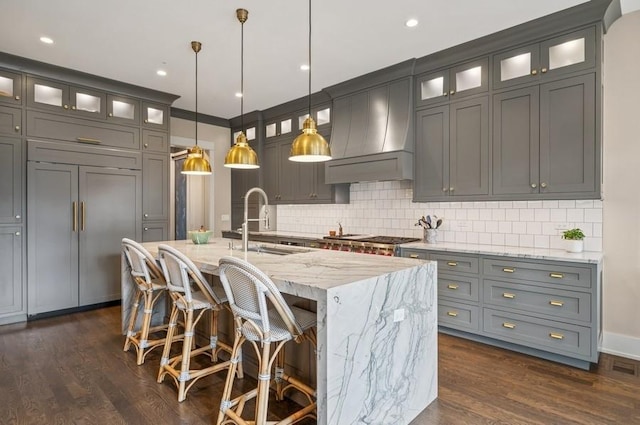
x,y
438,223
429,221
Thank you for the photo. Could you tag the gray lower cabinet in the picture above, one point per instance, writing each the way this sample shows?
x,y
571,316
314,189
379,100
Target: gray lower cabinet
x,y
550,309
11,180
12,298
544,142
153,232
452,151
77,217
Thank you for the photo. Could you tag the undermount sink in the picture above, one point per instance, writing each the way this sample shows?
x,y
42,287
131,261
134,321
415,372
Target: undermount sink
x,y
276,250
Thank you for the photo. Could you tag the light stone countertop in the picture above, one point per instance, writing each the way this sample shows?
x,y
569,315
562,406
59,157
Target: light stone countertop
x,y
592,257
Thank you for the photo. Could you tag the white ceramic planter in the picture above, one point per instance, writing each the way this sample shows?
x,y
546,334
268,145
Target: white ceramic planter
x,y
574,245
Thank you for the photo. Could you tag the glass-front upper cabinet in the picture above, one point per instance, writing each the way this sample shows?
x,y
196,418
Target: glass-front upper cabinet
x,y
278,127
559,55
155,115
10,87
449,84
60,97
123,110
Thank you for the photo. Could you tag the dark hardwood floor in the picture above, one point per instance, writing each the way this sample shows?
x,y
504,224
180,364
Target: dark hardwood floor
x,y
72,370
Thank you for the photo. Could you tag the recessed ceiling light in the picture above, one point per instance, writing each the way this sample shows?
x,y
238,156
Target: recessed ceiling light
x,y
304,67
161,72
411,22
46,40
238,94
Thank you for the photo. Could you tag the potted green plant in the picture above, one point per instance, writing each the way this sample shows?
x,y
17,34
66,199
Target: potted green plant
x,y
575,239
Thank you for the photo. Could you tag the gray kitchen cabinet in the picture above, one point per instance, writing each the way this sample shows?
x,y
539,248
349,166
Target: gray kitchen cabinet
x,y
546,308
155,186
11,180
452,151
155,231
12,300
77,217
544,141
10,120
155,115
550,59
155,141
64,98
10,88
123,110
453,83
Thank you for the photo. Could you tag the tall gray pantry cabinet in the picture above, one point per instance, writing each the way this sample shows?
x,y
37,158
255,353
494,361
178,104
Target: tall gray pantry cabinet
x,y
84,162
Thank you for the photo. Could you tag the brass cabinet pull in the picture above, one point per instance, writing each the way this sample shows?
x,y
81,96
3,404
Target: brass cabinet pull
x,y
65,106
452,313
543,70
534,72
556,275
452,286
74,206
88,140
84,216
146,229
556,335
452,263
543,185
445,189
110,114
556,303
17,233
17,98
533,185
314,245
17,128
452,92
508,325
508,295
445,94
414,256
508,270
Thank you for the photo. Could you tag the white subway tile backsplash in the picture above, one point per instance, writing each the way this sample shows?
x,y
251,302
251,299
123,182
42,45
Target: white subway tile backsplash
x,y
387,208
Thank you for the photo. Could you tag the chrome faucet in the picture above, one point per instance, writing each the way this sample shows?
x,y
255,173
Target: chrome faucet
x,y
245,223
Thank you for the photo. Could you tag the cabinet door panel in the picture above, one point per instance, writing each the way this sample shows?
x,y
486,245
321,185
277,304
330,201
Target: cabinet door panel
x,y
432,153
52,278
569,53
469,148
44,94
155,186
516,142
11,266
516,66
154,232
11,186
112,211
10,120
469,78
270,173
10,88
432,88
567,136
288,173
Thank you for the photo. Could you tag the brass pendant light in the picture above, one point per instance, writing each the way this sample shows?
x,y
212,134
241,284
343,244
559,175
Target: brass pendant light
x,y
310,146
196,163
241,155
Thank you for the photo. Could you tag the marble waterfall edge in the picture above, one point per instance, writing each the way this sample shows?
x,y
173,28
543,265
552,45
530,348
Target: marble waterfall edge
x,y
382,371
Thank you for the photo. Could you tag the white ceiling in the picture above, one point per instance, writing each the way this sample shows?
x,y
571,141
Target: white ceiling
x,y
130,40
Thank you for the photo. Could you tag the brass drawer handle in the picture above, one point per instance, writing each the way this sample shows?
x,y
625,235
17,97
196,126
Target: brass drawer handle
x,y
556,336
452,263
508,325
74,206
414,256
452,286
556,303
508,295
508,270
88,140
452,313
556,275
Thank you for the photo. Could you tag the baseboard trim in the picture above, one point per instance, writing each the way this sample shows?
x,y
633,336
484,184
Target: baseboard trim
x,y
621,345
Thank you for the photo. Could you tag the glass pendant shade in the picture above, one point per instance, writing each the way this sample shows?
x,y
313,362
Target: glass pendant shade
x,y
241,155
196,163
310,146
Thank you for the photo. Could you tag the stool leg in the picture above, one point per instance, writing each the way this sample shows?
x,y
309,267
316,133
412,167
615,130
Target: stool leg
x,y
146,324
186,356
264,378
236,352
164,360
132,320
279,374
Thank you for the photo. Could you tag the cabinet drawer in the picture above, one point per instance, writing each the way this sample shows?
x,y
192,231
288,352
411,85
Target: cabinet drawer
x,y
542,334
155,141
415,253
458,287
457,263
10,120
540,272
551,302
69,153
49,126
459,316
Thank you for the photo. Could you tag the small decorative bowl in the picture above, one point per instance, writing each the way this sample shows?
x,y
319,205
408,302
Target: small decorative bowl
x,y
200,237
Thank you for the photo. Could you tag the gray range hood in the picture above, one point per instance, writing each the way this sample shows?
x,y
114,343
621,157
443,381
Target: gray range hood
x,y
372,133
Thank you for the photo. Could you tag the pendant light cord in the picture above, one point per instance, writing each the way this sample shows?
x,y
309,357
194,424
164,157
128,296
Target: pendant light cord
x,y
309,58
242,77
196,98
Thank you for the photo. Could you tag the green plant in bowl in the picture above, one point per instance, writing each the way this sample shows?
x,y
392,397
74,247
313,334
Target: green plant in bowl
x,y
200,236
573,235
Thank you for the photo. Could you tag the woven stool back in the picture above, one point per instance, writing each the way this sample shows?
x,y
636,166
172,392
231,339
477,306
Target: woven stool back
x,y
143,266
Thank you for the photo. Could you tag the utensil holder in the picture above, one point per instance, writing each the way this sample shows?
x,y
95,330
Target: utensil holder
x,y
430,235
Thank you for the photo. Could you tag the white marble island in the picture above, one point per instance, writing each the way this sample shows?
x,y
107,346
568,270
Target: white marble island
x,y
377,326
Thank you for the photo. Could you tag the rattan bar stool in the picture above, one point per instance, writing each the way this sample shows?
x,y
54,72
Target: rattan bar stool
x,y
263,318
191,296
149,284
